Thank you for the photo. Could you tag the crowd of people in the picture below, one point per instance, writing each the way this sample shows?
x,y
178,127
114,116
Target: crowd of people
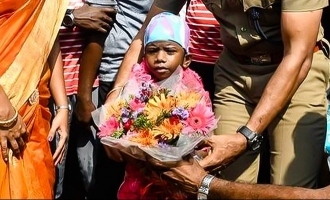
x,y
267,82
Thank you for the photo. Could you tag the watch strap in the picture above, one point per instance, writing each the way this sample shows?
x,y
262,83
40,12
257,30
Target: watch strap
x,y
248,133
69,11
63,107
204,189
253,139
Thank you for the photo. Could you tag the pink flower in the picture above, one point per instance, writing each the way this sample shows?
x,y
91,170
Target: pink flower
x,y
191,80
139,73
201,120
107,128
135,104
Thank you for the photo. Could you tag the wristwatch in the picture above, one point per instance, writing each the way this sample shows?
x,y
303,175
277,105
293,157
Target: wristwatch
x,y
63,107
254,139
204,189
68,18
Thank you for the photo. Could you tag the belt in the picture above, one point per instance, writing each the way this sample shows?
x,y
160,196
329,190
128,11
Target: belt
x,y
267,59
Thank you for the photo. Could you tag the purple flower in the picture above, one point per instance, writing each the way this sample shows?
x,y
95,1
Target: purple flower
x,y
144,92
125,114
137,112
181,112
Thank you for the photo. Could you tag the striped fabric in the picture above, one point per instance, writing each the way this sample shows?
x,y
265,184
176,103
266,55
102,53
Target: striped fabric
x,y
71,42
205,42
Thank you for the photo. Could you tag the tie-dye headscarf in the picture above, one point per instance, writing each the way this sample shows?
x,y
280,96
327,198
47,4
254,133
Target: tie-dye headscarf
x,y
167,27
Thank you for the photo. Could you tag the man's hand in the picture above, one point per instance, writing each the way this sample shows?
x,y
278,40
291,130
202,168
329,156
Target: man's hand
x,y
186,174
83,110
95,18
15,137
224,150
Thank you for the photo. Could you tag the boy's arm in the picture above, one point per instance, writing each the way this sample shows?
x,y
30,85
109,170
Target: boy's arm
x,y
98,21
89,65
133,54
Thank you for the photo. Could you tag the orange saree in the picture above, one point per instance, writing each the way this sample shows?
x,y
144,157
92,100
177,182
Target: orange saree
x,y
28,29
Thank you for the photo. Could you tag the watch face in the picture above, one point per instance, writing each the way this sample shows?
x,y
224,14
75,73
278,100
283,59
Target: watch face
x,y
256,143
68,21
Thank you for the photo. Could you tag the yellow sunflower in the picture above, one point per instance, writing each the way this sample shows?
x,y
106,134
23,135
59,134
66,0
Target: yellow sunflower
x,y
188,99
144,137
114,109
169,129
159,104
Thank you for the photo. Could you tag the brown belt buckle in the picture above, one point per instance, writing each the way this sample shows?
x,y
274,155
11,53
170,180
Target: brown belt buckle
x,y
261,60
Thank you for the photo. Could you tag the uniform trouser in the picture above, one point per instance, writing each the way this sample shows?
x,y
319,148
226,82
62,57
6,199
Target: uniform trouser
x,y
296,135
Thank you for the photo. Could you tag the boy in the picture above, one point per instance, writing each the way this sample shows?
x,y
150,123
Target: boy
x,y
165,63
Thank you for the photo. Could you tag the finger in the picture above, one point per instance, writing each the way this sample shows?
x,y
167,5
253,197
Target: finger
x,y
107,19
60,158
4,148
21,143
61,144
106,27
14,146
25,136
51,133
102,29
208,161
65,150
23,128
109,11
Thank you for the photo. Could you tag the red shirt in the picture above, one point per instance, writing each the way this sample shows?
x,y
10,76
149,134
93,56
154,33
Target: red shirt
x,y
205,42
71,43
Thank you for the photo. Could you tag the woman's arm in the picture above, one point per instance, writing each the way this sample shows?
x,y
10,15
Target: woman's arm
x,y
57,87
12,127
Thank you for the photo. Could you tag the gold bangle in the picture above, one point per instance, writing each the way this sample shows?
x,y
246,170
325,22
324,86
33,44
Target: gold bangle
x,y
10,122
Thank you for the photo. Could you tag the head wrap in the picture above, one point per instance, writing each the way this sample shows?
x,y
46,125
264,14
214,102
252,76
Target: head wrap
x,y
166,26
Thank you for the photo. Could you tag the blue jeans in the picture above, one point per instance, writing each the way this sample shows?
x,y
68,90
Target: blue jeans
x,y
60,168
86,148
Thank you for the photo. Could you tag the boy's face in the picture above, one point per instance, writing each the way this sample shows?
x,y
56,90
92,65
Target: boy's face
x,y
163,58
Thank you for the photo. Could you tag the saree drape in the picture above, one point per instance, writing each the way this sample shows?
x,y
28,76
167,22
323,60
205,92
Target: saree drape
x,y
28,30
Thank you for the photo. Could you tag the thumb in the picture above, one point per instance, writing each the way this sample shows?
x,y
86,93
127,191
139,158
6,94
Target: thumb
x,y
207,161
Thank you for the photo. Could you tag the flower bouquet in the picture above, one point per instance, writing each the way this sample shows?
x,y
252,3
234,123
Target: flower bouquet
x,y
163,119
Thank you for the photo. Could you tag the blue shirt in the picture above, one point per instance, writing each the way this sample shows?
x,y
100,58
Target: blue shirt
x,y
129,19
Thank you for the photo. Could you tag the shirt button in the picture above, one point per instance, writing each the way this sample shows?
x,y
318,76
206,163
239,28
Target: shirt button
x,y
243,29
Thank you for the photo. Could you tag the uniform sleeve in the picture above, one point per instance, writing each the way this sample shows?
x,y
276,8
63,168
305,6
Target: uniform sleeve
x,y
170,5
303,5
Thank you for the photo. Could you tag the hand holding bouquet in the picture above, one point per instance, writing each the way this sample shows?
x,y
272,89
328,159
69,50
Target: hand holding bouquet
x,y
166,120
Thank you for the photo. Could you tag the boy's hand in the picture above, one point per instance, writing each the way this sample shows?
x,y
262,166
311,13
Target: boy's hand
x,y
83,110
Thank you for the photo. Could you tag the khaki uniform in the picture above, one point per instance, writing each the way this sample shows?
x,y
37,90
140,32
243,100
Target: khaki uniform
x,y
297,134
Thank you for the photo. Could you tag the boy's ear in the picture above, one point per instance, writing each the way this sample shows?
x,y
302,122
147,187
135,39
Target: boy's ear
x,y
186,61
